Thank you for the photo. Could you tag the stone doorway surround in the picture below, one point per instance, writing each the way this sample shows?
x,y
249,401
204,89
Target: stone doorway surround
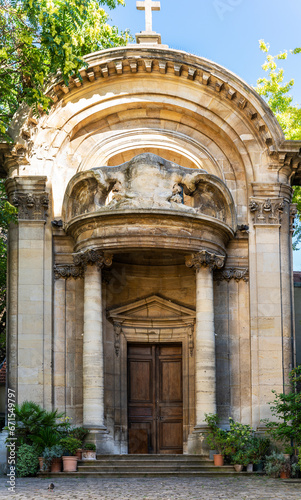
x,y
155,320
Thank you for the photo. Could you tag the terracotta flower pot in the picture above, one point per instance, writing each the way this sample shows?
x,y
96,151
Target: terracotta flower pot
x,y
238,467
284,474
218,460
56,465
41,463
79,453
69,464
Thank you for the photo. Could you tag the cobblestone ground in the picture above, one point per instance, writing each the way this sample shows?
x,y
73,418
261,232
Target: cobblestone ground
x,y
238,488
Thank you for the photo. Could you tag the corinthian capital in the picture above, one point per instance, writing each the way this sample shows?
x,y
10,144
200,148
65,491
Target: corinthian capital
x,y
91,257
205,259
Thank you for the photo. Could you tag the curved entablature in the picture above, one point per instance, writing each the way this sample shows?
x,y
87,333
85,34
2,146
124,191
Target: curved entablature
x,y
136,60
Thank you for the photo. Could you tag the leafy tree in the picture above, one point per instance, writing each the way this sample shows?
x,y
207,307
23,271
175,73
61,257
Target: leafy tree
x,y
276,92
7,215
38,38
286,408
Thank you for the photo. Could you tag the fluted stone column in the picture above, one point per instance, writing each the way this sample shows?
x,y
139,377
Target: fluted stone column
x,y
205,373
93,365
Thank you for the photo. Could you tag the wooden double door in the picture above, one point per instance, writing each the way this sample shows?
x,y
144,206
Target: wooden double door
x,y
155,398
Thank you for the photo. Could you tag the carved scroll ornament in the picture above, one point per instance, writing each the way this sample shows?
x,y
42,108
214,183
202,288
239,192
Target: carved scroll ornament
x,y
236,274
266,211
91,256
66,271
205,259
31,206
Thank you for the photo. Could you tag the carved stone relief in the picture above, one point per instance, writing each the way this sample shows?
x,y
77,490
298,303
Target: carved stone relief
x,y
234,273
91,256
266,211
149,182
66,271
205,259
31,206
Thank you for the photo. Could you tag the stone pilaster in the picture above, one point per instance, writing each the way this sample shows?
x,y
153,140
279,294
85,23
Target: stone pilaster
x,y
30,292
205,372
271,304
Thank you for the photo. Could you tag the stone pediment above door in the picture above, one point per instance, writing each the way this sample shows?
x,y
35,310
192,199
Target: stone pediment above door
x,y
153,311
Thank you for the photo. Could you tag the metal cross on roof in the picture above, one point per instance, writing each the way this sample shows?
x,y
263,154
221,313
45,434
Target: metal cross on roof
x,y
148,6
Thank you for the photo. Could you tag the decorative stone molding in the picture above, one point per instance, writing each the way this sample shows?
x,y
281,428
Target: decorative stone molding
x,y
91,256
118,331
293,213
191,340
266,211
31,206
205,259
65,271
234,273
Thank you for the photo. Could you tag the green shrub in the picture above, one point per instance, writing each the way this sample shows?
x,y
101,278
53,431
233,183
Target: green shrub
x,y
90,447
275,463
49,454
36,425
27,462
70,445
78,433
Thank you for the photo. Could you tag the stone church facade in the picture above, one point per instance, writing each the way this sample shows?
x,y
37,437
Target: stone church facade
x,y
150,273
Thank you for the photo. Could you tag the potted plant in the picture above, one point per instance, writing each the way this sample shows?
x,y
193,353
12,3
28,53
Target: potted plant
x,y
239,460
276,463
70,445
89,451
216,438
52,458
79,433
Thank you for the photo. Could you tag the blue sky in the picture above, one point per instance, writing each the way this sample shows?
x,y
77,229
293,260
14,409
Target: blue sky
x,y
227,32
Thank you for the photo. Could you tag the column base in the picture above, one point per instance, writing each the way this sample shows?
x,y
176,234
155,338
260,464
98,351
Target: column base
x,y
102,439
197,443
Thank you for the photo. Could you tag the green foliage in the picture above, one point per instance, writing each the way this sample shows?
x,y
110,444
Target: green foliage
x,y
49,454
70,445
27,460
90,447
39,426
239,444
7,215
216,437
38,38
275,463
79,433
276,92
286,408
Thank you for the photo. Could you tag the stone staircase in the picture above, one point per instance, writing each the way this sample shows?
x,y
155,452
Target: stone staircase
x,y
107,466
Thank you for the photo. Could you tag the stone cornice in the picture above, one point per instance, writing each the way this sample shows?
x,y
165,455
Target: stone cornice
x,y
234,273
205,259
266,211
92,257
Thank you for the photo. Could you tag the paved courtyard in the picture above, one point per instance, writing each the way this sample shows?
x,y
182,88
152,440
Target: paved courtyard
x,y
238,488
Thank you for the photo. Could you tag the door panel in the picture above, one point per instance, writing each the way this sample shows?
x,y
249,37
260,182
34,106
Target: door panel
x,y
155,402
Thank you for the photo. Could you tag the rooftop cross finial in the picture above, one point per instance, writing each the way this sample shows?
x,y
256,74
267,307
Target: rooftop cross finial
x,y
148,6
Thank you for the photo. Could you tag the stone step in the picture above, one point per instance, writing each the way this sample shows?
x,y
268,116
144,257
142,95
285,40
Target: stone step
x,y
154,457
136,474
152,468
